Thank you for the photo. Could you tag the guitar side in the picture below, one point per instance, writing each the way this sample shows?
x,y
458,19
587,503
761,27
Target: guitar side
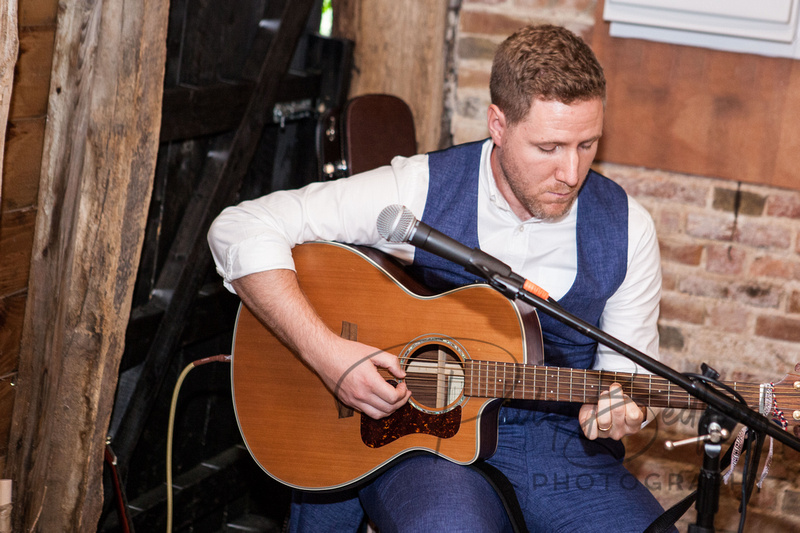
x,y
293,426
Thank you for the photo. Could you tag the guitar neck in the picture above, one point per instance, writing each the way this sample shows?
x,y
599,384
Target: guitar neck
x,y
489,379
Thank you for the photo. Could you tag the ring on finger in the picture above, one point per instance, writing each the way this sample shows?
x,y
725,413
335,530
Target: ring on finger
x,y
610,425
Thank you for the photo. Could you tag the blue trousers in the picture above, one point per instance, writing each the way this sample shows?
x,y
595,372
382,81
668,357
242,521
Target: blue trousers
x,y
563,481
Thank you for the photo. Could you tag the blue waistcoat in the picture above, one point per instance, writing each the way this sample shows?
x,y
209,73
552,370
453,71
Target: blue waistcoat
x,y
602,243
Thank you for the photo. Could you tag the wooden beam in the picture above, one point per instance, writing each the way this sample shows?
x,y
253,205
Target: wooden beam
x,y
189,257
9,47
400,50
98,162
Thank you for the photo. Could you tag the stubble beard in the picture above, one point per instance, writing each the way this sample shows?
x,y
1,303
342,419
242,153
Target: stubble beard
x,y
538,209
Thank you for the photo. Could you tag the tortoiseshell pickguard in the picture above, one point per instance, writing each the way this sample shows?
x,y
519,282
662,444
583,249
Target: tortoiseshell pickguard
x,y
408,420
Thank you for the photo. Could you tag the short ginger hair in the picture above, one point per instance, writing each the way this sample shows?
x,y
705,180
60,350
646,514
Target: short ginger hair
x,y
544,62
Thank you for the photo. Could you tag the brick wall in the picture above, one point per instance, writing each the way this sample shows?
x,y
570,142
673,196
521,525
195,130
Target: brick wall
x,y
731,266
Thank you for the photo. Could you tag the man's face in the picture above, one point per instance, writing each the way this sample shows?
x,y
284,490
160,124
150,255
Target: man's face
x,y
541,162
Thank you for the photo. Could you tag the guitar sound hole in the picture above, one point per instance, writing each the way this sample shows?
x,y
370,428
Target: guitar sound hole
x,y
435,377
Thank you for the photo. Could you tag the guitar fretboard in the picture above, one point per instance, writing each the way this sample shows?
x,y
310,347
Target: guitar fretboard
x,y
489,379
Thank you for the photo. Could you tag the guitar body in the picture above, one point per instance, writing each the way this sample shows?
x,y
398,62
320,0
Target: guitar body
x,y
302,436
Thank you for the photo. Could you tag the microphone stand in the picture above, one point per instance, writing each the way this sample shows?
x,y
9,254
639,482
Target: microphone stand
x,y
397,224
721,413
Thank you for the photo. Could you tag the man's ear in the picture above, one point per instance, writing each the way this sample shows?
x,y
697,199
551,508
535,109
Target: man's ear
x,y
496,120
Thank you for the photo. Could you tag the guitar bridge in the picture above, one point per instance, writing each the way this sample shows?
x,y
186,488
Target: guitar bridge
x,y
349,332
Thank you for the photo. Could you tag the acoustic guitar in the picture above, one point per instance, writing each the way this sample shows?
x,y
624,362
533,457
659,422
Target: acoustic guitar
x,y
463,352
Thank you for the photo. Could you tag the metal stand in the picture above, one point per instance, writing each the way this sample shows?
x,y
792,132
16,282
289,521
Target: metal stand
x,y
718,421
714,427
722,413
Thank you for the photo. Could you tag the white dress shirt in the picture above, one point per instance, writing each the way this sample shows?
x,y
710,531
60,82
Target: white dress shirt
x,y
258,235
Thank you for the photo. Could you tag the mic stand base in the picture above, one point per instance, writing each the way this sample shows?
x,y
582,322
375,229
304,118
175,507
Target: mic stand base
x,y
707,490
708,484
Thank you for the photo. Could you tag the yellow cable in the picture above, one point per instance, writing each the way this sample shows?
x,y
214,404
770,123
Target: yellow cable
x,y
170,428
171,425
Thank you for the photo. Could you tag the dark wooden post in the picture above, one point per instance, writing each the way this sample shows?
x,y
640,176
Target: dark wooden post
x,y
99,157
9,46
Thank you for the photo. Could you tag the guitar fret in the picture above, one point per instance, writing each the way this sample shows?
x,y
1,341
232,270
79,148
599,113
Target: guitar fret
x,y
502,381
546,384
472,380
508,385
584,391
570,384
543,383
485,380
479,378
505,380
558,384
484,384
493,382
659,394
473,377
498,380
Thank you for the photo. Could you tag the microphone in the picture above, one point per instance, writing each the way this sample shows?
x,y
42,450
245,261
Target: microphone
x,y
397,224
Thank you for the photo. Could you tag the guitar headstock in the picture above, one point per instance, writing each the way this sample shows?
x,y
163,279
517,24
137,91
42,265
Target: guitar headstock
x,y
786,394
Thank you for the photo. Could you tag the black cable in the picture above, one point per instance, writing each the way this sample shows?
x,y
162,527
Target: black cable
x,y
719,384
753,446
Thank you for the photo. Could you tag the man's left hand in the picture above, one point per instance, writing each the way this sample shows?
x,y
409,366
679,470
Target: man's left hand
x,y
614,416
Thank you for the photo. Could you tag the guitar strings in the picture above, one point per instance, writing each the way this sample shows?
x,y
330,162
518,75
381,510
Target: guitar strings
x,y
638,384
549,381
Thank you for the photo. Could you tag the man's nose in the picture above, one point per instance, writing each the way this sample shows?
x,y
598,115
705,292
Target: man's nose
x,y
568,171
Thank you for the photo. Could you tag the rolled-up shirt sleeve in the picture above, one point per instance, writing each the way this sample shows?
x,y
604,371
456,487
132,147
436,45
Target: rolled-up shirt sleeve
x,y
258,235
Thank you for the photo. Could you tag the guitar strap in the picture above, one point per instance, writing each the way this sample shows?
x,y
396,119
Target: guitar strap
x,y
667,520
508,496
502,486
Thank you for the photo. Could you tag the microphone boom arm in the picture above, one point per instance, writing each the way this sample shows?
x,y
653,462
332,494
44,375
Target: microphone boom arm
x,y
396,223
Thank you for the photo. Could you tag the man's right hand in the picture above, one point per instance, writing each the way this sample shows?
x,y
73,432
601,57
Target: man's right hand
x,y
349,369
